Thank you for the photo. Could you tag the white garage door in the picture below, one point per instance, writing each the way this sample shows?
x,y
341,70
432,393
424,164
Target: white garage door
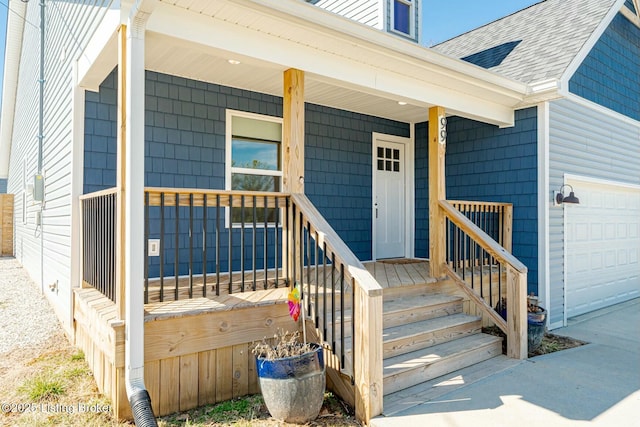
x,y
602,238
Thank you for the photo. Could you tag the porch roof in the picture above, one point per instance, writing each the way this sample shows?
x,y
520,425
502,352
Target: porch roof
x,y
347,65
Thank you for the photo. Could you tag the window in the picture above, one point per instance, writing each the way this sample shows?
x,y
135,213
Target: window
x,y
254,159
388,159
402,16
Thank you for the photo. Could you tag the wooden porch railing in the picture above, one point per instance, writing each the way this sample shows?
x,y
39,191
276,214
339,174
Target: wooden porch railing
x,y
495,219
487,273
212,241
222,241
98,240
336,281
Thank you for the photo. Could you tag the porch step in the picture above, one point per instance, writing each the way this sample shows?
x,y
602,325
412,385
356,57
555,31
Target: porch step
x,y
433,389
414,336
406,370
403,309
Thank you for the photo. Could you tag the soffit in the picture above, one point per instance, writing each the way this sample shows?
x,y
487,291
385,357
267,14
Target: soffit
x,y
412,66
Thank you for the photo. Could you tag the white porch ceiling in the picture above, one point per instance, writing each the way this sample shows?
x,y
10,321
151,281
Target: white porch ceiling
x,y
347,65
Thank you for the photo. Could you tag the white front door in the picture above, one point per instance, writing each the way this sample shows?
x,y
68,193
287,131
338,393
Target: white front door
x,y
389,199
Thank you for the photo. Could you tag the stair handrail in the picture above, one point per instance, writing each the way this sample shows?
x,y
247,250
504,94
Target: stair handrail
x,y
515,326
503,235
366,316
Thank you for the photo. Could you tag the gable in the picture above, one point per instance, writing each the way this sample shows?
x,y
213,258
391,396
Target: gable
x,y
609,74
535,44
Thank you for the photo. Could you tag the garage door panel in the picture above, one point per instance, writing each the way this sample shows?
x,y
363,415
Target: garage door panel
x,y
603,244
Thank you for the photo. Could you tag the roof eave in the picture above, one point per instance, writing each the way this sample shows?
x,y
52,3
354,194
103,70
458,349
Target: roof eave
x,y
15,29
295,9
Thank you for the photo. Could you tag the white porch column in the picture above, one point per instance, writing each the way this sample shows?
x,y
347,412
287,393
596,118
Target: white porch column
x,y
134,76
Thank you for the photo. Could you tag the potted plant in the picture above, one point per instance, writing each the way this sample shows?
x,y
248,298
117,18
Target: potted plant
x,y
291,373
536,320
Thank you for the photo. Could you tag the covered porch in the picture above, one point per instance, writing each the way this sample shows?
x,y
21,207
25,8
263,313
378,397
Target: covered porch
x,y
199,326
196,275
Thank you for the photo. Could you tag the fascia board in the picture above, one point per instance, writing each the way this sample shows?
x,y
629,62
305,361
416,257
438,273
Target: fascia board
x,y
15,30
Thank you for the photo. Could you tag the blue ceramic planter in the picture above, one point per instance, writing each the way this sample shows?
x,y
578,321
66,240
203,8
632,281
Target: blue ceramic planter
x,y
293,387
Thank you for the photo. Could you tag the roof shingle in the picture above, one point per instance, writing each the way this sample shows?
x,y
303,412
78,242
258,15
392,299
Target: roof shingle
x,y
534,44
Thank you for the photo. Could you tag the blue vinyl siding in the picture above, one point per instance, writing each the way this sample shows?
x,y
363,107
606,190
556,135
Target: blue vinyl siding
x,y
185,148
338,155
609,75
486,163
629,4
3,186
421,240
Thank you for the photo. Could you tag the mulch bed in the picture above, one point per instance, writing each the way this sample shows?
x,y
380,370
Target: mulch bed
x,y
550,342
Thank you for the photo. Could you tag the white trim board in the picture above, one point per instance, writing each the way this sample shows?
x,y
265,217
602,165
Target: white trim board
x,y
544,273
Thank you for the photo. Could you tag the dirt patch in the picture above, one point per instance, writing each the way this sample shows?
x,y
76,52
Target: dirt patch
x,y
550,342
52,385
251,411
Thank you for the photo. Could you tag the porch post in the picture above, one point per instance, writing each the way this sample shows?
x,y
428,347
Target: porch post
x,y
437,189
293,153
293,131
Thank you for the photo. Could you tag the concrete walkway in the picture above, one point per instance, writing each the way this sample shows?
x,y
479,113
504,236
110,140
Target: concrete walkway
x,y
593,385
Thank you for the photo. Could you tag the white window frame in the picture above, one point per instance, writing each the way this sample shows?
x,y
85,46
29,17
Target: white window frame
x,y
412,17
229,170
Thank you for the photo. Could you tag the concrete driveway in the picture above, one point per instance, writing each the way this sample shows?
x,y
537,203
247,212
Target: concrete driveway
x,y
593,385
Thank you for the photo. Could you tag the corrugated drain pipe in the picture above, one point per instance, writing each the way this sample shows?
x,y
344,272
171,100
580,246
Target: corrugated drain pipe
x,y
137,393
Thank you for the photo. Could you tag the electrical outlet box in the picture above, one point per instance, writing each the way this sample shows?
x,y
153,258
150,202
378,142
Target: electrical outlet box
x,y
38,188
153,248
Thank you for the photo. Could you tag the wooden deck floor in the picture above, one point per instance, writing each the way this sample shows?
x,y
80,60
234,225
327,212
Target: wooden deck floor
x,y
395,273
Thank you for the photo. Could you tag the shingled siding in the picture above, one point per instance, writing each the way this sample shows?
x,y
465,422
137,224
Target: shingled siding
x,y
609,74
338,155
185,147
486,163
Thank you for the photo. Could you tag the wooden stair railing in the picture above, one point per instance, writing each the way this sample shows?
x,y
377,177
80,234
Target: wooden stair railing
x,y
470,253
494,218
321,257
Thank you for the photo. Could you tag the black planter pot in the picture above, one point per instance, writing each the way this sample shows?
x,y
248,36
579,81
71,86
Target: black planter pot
x,y
293,387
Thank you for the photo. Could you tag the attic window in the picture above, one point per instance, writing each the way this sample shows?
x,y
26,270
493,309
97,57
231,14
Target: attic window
x,y
402,16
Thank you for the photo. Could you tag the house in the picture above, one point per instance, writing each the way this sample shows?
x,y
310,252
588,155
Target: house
x,y
192,159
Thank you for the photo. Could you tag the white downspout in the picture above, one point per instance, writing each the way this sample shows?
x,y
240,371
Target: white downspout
x,y
134,214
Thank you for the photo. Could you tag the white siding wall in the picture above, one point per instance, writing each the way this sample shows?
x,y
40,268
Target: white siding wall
x,y
590,142
368,12
45,252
